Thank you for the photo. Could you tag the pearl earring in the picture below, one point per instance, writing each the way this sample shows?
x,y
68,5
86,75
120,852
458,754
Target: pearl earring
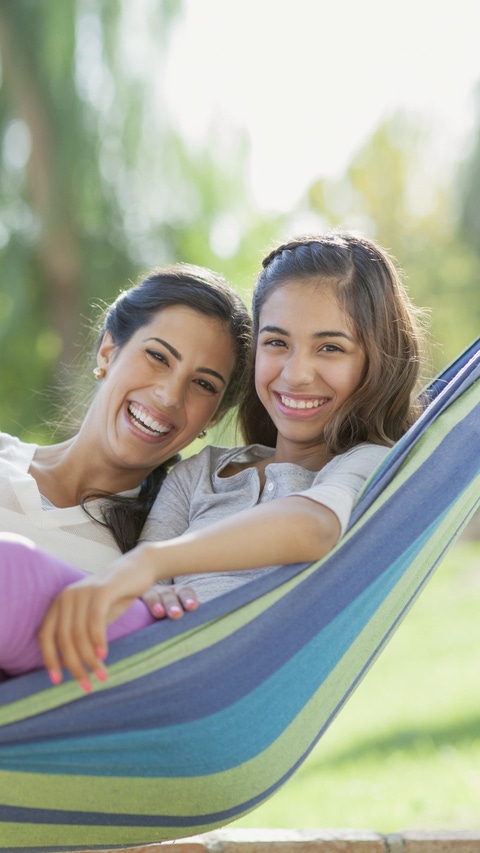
x,y
99,372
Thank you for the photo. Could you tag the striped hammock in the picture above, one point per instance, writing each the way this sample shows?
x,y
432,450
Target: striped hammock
x,y
203,719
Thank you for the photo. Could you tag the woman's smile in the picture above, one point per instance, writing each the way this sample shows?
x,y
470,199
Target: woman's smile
x,y
152,424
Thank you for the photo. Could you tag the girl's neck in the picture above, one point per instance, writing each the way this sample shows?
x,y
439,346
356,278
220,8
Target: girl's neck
x,y
312,458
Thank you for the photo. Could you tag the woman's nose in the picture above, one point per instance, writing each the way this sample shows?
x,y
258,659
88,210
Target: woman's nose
x,y
170,393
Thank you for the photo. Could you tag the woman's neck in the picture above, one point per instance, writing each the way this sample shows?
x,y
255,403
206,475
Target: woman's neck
x,y
66,474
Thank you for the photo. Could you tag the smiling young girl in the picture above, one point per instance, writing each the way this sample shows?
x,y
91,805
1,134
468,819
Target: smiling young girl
x,y
332,387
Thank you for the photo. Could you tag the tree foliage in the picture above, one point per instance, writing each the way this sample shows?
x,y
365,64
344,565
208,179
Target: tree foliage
x,y
97,187
394,191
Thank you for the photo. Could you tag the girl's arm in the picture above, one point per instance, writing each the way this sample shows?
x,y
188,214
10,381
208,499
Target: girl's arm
x,y
288,530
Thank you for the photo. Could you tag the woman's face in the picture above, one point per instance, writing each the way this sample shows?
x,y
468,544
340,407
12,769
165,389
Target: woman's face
x,y
162,388
308,362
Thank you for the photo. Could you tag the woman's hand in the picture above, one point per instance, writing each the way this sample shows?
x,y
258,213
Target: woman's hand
x,y
73,632
170,601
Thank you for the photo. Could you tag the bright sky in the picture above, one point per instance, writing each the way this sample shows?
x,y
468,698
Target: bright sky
x,y
309,80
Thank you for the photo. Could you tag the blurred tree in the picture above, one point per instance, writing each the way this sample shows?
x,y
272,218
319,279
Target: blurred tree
x,y
96,185
395,192
469,185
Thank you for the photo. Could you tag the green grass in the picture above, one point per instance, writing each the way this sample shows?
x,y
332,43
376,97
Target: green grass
x,y
405,751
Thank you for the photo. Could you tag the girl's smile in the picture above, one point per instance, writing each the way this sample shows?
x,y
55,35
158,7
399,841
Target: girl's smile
x,y
301,406
308,363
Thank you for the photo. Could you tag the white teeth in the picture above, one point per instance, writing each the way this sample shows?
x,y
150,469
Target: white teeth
x,y
300,404
145,422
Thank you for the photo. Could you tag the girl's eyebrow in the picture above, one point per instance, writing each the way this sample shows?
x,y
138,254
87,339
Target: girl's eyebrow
x,y
178,356
319,335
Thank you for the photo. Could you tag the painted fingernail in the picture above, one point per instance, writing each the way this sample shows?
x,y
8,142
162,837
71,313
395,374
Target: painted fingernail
x,y
189,603
100,653
101,674
85,685
158,610
174,610
55,676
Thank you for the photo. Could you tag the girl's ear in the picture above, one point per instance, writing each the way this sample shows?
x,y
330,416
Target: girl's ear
x,y
106,351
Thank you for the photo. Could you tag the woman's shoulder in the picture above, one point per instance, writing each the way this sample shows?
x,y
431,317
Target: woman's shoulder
x,y
10,444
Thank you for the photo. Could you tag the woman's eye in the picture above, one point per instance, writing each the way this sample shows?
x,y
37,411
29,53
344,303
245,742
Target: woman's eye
x,y
208,386
157,356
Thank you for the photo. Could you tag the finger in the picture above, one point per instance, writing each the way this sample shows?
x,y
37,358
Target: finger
x,y
153,600
187,597
171,603
48,648
72,641
79,635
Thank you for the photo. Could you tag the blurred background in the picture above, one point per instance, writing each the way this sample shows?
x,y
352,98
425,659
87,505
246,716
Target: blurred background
x,y
135,133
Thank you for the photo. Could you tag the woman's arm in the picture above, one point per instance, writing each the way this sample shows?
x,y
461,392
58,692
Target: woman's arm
x,y
289,530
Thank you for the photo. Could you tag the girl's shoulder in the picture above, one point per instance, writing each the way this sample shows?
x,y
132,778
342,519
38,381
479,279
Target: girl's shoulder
x,y
365,455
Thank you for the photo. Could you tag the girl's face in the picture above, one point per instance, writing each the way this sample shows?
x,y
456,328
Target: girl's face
x,y
161,389
308,362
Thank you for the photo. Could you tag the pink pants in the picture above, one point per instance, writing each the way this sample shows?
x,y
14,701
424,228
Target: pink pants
x,y
30,578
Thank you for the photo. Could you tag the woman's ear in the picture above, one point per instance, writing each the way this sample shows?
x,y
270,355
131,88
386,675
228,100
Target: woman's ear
x,y
106,351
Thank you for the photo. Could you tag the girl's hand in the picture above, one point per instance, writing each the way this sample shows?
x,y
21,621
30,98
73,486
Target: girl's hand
x,y
170,601
73,632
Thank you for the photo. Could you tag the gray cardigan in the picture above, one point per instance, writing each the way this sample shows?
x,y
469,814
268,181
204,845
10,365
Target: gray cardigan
x,y
194,495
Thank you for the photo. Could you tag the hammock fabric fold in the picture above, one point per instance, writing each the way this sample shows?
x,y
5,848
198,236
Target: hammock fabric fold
x,y
201,720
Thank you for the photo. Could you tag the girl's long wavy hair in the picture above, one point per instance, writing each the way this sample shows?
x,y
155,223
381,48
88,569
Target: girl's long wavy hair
x,y
365,281
209,294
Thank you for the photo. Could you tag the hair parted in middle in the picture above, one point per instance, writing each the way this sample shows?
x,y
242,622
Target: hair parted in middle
x,y
366,284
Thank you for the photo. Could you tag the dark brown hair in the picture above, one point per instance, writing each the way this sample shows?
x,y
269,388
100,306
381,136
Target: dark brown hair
x,y
365,281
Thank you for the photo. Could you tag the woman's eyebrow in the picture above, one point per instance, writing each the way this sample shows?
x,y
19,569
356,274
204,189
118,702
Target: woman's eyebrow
x,y
178,356
212,373
168,346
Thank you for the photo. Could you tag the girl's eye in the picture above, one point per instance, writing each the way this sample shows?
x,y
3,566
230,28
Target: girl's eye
x,y
208,386
331,348
157,356
273,342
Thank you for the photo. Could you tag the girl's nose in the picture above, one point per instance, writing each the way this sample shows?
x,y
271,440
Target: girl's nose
x,y
298,370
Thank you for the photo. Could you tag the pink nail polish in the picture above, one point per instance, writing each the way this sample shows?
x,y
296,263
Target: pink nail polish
x,y
174,610
189,603
55,676
85,685
158,609
100,652
101,674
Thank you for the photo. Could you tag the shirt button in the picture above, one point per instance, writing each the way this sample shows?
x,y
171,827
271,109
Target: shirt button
x,y
270,487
